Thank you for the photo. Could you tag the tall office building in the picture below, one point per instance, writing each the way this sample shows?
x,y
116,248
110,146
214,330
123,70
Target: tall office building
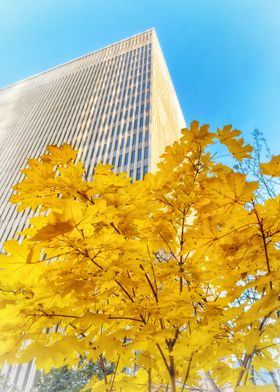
x,y
116,105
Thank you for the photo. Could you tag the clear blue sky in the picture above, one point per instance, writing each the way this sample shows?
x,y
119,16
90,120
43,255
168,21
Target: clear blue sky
x,y
223,55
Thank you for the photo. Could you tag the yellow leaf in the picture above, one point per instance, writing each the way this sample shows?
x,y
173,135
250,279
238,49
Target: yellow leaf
x,y
60,155
252,340
227,136
256,388
50,231
271,168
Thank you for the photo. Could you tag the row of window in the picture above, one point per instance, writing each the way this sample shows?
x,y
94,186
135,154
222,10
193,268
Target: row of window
x,y
138,172
108,124
144,50
132,157
120,115
127,141
130,80
125,85
106,84
114,95
127,96
126,78
126,70
128,113
125,103
136,54
132,125
129,70
126,47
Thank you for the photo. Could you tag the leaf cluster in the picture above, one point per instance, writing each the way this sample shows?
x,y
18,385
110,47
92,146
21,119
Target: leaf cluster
x,y
170,278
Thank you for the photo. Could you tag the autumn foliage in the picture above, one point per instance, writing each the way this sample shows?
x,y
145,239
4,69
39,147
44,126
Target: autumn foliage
x,y
174,279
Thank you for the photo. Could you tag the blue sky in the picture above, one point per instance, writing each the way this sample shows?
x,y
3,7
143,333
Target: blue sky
x,y
223,55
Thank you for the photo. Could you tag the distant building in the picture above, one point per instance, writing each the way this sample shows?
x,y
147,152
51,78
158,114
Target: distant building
x,y
116,105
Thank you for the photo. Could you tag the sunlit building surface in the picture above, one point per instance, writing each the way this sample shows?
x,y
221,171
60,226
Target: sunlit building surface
x,y
116,105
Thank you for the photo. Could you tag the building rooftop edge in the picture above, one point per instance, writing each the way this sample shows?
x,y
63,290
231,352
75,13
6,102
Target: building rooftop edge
x,y
152,29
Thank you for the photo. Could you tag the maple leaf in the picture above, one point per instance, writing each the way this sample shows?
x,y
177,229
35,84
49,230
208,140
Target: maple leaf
x,y
228,137
60,155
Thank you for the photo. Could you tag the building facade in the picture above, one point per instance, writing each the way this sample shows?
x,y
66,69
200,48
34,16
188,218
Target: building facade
x,y
116,105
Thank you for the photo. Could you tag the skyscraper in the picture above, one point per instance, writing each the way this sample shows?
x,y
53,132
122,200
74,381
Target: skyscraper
x,y
116,105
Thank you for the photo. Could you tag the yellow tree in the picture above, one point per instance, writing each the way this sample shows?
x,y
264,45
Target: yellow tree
x,y
170,278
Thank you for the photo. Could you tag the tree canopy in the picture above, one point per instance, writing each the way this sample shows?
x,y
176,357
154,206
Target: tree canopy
x,y
173,278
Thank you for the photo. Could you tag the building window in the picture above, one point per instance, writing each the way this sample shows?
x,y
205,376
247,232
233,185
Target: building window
x,y
146,153
126,159
147,136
